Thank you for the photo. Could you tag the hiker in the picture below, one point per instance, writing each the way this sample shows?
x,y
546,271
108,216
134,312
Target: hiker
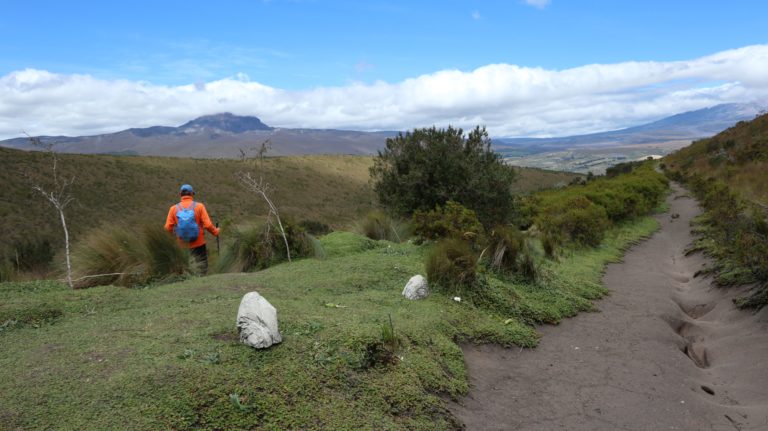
x,y
186,220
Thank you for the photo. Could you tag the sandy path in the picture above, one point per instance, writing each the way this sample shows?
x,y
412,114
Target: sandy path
x,y
666,352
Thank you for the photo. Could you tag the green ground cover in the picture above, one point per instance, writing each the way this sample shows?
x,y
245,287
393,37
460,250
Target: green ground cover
x,y
167,357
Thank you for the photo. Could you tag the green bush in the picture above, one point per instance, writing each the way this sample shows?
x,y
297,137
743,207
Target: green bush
x,y
422,169
379,226
580,215
449,221
451,266
575,220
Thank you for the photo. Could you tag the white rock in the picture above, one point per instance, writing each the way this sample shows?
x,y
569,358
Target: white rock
x,y
257,322
416,288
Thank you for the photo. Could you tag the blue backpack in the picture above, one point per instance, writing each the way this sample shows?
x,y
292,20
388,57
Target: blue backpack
x,y
186,228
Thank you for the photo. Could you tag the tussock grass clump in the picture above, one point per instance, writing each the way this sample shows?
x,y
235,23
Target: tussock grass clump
x,y
512,253
119,256
452,266
260,246
377,225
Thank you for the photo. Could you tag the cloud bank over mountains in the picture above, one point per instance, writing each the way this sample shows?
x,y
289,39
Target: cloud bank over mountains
x,y
510,100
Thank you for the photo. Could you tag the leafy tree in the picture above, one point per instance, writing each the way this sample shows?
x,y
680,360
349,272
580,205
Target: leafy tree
x,y
429,167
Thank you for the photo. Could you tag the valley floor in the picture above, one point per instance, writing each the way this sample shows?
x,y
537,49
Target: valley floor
x,y
667,351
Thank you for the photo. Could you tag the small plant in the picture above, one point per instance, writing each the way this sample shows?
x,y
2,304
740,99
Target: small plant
x,y
187,354
452,266
389,338
211,358
239,403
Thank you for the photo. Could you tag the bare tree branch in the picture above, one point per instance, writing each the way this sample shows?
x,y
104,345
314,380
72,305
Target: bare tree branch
x,y
58,196
262,188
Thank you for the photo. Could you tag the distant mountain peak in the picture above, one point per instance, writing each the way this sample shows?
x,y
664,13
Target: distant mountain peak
x,y
227,122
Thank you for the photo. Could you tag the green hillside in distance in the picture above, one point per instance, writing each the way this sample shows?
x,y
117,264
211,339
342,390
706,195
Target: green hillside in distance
x,y
738,156
332,189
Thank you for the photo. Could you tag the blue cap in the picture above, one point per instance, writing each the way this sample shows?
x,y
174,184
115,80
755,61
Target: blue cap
x,y
186,188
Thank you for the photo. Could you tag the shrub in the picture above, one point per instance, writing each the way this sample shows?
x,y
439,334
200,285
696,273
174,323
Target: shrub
x,y
449,221
379,226
422,169
451,266
575,220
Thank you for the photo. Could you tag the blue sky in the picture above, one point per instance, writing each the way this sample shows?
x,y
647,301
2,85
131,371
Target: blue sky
x,y
300,47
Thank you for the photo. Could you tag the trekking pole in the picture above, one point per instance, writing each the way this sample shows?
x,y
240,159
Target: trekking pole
x,y
218,246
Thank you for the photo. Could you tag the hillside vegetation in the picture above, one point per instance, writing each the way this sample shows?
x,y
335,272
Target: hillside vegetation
x,y
738,157
167,357
130,191
355,353
729,174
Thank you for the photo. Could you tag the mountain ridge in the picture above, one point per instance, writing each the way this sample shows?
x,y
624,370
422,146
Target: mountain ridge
x,y
224,135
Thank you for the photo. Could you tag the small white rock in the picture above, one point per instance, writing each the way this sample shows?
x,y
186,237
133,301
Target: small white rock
x,y
416,288
457,298
257,322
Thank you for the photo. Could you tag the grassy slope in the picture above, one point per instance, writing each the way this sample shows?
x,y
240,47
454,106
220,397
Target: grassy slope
x,y
167,356
133,190
534,179
737,156
331,189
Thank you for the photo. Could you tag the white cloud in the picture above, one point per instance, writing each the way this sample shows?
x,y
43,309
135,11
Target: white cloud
x,y
541,4
476,15
510,100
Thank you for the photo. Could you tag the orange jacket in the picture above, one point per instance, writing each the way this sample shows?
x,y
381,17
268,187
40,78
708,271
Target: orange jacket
x,y
201,217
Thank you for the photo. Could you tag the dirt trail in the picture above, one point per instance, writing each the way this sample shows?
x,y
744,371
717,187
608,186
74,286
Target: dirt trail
x,y
667,351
